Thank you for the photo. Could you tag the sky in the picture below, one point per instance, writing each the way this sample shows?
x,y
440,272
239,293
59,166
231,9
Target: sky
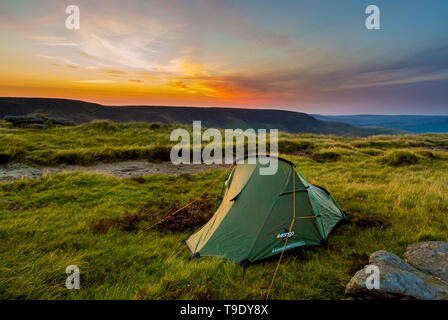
x,y
309,56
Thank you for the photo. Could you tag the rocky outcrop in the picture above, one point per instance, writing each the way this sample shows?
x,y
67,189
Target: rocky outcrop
x,y
430,257
422,277
36,122
24,120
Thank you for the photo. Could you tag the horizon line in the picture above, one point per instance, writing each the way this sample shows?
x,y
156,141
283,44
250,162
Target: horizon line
x,y
230,107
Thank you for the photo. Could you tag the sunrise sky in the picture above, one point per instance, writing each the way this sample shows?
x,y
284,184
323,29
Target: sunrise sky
x,y
309,56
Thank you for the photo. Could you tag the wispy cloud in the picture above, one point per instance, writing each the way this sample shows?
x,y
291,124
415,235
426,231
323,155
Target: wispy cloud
x,y
61,44
95,81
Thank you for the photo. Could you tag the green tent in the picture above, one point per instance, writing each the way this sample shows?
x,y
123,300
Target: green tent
x,y
257,212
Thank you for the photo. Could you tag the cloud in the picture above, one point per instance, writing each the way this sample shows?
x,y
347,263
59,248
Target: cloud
x,y
95,81
179,84
65,44
427,64
214,51
61,61
45,37
114,72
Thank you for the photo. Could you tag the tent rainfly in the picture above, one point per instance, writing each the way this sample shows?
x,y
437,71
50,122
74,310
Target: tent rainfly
x,y
264,215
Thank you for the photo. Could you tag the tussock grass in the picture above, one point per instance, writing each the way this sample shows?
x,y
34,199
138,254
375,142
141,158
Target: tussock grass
x,y
399,158
98,141
101,223
372,151
295,146
88,156
326,156
339,145
426,154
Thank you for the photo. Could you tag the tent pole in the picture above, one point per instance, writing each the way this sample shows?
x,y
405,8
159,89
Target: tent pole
x,y
343,214
290,228
315,201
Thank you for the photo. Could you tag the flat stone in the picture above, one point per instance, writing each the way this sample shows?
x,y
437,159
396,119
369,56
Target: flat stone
x,y
397,280
430,257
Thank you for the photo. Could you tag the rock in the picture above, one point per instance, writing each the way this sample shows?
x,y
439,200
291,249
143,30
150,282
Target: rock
x,y
430,257
20,120
61,122
15,171
36,122
37,125
397,280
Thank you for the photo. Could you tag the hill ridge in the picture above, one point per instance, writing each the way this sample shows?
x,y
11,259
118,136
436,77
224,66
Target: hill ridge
x,y
80,112
409,122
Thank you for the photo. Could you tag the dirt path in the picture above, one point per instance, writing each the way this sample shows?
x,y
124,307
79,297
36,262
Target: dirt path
x,y
126,169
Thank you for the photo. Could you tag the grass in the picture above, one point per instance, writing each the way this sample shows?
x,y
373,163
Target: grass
x,y
400,158
86,144
101,223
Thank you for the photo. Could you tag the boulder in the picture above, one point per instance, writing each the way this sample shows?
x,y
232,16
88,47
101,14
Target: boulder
x,y
397,280
36,122
430,257
61,122
37,125
20,120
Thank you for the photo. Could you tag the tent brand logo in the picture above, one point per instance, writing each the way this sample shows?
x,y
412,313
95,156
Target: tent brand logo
x,y
289,246
285,235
